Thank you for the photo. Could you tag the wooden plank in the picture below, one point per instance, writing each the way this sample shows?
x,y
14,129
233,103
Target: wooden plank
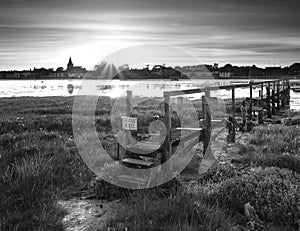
x,y
133,179
137,162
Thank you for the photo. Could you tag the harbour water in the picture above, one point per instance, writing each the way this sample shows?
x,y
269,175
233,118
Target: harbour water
x,y
116,88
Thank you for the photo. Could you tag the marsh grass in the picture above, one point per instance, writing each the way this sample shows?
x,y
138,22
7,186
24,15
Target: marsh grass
x,y
179,211
39,163
274,145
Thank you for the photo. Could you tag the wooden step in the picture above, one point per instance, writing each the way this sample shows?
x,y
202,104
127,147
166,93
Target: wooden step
x,y
133,179
137,162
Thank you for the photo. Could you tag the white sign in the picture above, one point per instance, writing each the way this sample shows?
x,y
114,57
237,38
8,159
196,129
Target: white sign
x,y
129,123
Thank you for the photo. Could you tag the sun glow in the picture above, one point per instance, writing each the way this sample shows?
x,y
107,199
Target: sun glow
x,y
89,55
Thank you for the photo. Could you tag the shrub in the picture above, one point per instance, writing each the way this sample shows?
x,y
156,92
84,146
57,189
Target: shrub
x,y
274,193
277,139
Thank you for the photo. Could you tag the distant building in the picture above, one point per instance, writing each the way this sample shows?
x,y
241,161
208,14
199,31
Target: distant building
x,y
75,71
225,74
200,71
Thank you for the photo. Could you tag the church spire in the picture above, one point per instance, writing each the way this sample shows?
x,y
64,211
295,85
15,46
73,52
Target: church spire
x,y
70,64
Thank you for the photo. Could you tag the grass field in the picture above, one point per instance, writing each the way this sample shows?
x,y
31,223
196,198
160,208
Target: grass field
x,y
40,163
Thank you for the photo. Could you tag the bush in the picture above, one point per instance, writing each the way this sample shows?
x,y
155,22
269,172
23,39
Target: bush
x,y
273,192
288,161
277,139
219,174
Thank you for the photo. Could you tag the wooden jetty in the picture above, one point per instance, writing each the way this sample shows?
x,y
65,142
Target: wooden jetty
x,y
252,110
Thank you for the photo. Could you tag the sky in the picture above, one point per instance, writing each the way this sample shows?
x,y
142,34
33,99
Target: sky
x,y
37,33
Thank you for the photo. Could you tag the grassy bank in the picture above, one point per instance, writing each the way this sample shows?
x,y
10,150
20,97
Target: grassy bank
x,y
39,163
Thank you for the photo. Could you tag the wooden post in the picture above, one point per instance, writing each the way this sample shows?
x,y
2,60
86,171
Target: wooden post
x,y
250,107
168,151
278,95
129,103
244,114
268,101
233,114
128,111
180,116
207,92
288,92
283,94
207,124
180,110
262,92
273,101
273,97
122,151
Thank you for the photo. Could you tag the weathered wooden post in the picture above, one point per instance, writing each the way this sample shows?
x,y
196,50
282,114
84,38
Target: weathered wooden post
x,y
288,92
168,148
268,101
262,92
128,111
278,95
207,124
273,101
244,114
207,92
273,97
180,116
180,110
233,114
250,107
121,150
283,94
128,103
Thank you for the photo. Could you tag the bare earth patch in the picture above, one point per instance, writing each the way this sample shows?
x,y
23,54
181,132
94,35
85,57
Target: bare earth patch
x,y
87,215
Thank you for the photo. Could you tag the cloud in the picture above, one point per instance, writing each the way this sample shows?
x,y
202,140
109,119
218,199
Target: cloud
x,y
219,29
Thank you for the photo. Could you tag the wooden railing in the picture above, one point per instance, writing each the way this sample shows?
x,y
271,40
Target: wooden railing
x,y
274,99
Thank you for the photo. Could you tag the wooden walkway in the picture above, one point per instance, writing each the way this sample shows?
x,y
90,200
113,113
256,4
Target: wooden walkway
x,y
237,117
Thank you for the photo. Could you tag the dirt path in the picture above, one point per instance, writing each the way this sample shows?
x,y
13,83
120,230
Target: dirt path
x,y
87,215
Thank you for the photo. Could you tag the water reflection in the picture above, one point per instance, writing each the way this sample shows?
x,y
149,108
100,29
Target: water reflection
x,y
116,88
